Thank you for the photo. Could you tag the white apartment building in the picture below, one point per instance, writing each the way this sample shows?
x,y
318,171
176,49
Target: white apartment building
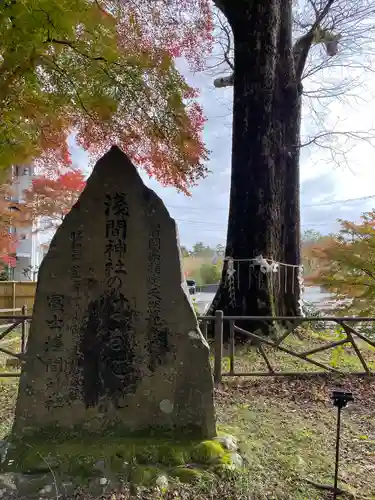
x,y
30,251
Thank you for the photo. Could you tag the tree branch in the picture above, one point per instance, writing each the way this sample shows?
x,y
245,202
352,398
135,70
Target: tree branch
x,y
221,6
365,136
228,46
302,46
73,85
73,47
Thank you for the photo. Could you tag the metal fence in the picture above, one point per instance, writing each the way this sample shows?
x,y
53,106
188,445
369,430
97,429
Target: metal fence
x,y
264,344
13,322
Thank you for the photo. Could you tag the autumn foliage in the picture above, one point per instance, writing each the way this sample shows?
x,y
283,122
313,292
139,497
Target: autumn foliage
x,y
106,70
11,215
52,199
346,264
311,243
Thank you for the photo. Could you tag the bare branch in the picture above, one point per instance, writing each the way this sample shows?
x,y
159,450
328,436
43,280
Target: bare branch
x,y
302,46
340,78
227,51
224,57
316,10
321,139
220,5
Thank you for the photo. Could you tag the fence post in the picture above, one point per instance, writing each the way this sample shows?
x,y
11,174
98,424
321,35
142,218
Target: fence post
x,y
13,295
232,343
23,329
219,315
204,329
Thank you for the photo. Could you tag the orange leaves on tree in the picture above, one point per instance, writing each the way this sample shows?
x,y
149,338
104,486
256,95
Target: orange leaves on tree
x,y
105,70
180,28
11,216
346,264
51,199
159,125
310,251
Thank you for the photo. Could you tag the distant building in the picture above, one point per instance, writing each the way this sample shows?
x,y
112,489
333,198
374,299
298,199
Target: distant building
x,y
30,251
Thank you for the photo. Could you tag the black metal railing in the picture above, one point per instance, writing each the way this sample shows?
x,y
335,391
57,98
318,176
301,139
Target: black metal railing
x,y
14,322
265,345
262,346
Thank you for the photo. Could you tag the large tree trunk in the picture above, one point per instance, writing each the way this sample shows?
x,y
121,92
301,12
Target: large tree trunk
x,y
264,193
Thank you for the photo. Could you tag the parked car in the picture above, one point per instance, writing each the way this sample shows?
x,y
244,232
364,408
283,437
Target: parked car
x,y
192,286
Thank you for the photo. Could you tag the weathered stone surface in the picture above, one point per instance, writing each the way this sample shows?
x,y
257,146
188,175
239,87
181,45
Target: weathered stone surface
x,y
237,460
228,442
114,339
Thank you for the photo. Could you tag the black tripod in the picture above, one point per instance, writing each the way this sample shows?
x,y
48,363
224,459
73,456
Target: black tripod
x,y
340,400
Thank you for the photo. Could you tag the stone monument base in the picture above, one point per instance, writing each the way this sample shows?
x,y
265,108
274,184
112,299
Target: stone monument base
x,y
104,464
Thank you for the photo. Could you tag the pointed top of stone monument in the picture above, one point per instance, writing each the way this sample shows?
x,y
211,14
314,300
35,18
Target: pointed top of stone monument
x,y
114,162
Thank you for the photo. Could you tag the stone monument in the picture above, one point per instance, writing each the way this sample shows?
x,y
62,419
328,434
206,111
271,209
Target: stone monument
x,y
114,340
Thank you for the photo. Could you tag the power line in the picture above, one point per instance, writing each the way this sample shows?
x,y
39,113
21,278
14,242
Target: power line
x,y
210,223
327,203
224,226
215,226
336,202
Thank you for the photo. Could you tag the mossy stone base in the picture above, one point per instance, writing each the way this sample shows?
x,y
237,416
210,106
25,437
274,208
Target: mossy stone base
x,y
117,460
208,452
144,475
187,475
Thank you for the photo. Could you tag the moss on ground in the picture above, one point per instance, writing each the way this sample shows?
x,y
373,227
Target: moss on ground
x,y
135,460
207,452
187,475
115,449
144,475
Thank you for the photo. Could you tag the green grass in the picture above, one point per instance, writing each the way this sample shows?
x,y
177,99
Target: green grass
x,y
286,427
12,342
288,434
11,336
8,395
342,358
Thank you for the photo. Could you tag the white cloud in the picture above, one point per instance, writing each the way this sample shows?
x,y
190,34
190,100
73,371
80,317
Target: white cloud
x,y
203,217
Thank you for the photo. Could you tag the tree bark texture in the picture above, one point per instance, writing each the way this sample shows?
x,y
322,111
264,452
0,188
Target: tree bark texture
x,y
264,212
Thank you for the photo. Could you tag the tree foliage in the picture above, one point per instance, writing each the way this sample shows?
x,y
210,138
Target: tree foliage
x,y
105,69
311,241
201,250
210,273
346,264
51,199
11,216
203,263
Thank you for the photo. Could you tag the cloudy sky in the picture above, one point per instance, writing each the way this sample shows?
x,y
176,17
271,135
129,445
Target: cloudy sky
x,y
328,180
